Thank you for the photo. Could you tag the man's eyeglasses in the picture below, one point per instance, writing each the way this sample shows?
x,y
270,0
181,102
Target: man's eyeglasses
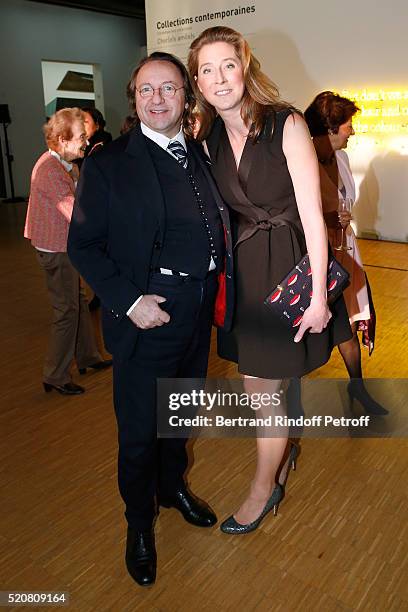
x,y
167,90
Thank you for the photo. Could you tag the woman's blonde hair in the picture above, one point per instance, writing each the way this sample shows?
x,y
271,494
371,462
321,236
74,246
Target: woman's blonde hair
x,y
261,96
60,125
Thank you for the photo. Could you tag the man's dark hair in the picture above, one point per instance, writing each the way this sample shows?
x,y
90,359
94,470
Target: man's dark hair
x,y
160,56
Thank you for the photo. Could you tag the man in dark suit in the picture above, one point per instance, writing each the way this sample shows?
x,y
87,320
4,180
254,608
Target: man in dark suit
x,y
148,235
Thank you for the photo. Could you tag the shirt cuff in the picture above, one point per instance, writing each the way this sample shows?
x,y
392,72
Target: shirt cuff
x,y
133,305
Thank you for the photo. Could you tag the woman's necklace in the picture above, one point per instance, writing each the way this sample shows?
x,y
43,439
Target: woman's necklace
x,y
237,144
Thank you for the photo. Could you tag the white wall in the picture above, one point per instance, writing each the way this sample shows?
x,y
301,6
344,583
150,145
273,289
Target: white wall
x,y
308,47
31,32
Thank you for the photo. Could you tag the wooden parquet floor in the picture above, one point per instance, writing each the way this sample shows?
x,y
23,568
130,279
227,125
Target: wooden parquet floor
x,y
339,541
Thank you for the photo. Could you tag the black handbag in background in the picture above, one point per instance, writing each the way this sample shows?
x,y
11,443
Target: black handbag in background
x,y
292,296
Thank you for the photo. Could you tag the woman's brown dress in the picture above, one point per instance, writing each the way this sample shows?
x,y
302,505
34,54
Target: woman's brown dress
x,y
261,197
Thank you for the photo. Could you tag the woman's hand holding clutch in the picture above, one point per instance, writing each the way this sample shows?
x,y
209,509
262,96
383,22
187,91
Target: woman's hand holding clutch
x,y
315,319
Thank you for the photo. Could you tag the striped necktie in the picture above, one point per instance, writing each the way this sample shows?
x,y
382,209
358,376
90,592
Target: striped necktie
x,y
179,152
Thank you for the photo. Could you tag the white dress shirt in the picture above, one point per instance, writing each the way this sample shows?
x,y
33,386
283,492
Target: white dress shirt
x,y
162,140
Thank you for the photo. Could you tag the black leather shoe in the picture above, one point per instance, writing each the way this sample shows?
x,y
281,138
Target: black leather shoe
x,y
67,389
141,558
194,510
100,365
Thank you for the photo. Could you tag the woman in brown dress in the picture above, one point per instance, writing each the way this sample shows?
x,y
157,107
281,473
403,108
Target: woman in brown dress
x,y
266,169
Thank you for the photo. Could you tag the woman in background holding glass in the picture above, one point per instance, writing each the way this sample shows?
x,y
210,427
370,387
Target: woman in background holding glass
x,y
329,118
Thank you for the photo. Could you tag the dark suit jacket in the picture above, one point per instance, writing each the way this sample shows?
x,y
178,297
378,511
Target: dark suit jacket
x,y
118,227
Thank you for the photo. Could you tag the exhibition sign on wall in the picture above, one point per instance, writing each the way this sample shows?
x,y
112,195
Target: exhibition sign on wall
x,y
291,40
173,26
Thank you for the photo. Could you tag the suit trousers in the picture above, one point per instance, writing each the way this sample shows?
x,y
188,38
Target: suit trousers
x,y
72,335
148,466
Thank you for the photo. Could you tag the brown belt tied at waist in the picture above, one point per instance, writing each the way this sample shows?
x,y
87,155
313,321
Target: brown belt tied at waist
x,y
248,227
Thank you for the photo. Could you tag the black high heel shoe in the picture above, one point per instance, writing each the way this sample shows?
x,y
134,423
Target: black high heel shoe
x,y
357,390
231,526
67,389
100,365
293,455
290,461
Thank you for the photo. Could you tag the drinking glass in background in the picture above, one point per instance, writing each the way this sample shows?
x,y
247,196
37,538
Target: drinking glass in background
x,y
344,210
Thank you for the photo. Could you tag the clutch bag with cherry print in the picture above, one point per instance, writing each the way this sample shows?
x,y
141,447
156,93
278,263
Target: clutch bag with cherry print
x,y
292,296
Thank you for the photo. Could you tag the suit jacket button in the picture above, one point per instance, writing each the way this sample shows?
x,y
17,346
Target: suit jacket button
x,y
157,245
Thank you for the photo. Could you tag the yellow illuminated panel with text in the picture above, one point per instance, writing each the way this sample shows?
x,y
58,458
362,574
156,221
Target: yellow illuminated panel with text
x,y
383,118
